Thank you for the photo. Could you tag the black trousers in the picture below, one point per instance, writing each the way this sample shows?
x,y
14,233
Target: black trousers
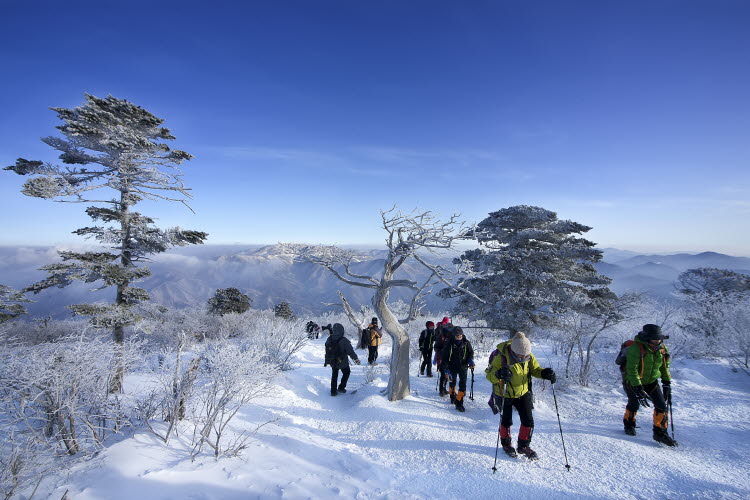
x,y
426,362
373,353
653,390
523,405
459,373
345,372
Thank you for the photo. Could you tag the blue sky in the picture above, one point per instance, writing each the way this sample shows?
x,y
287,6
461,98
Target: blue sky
x,y
307,117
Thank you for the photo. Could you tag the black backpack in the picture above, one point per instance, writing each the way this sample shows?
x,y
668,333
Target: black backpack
x,y
333,353
364,339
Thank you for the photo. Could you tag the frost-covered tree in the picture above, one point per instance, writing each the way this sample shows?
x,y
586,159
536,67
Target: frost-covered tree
x,y
715,301
283,310
530,268
407,234
229,300
10,304
115,149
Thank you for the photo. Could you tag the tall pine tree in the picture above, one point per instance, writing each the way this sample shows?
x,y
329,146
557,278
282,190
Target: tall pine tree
x,y
130,162
530,268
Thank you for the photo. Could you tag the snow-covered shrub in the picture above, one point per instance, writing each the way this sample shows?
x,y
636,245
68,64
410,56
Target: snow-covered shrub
x,y
175,376
231,374
40,330
279,339
60,390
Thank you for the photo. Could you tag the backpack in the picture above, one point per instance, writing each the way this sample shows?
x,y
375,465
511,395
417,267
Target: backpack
x,y
333,353
364,339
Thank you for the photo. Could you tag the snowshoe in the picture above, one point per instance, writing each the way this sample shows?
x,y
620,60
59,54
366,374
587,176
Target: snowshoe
x,y
527,452
510,451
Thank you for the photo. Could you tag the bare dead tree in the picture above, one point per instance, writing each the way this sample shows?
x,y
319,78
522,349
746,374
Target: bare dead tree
x,y
407,235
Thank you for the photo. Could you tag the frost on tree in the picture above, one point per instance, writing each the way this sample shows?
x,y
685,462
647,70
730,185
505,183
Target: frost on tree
x,y
229,300
409,237
114,156
283,310
530,268
10,303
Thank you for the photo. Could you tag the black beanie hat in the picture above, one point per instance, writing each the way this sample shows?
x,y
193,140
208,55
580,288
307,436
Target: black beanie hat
x,y
651,332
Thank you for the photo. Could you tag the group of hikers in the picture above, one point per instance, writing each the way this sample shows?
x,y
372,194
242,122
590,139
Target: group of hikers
x,y
644,361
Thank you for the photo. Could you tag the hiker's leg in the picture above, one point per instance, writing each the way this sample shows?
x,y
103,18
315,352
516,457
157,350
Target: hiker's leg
x,y
345,372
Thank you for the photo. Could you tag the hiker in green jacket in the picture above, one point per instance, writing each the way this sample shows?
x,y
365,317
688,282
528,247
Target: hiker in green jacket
x,y
647,360
511,367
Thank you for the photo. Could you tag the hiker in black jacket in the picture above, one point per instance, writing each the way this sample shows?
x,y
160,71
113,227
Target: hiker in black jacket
x,y
340,350
457,357
443,335
426,340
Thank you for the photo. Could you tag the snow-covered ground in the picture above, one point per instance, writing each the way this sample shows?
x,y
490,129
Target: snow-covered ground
x,y
362,446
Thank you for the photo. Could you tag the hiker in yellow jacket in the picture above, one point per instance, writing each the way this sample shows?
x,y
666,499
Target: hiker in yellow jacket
x,y
511,367
376,333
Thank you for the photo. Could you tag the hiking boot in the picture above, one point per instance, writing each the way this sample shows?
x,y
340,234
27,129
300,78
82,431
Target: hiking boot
x,y
508,447
453,398
333,392
527,452
630,431
342,390
661,436
429,375
460,406
442,391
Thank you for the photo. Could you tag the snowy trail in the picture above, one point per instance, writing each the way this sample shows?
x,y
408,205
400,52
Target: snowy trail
x,y
362,446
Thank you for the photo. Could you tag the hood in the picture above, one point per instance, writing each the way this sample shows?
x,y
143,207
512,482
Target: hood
x,y
337,331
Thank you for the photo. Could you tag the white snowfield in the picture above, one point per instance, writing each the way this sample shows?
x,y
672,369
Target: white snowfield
x,y
361,446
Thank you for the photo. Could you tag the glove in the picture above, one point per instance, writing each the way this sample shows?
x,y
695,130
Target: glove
x,y
666,388
471,363
357,362
504,374
448,374
549,374
643,398
434,359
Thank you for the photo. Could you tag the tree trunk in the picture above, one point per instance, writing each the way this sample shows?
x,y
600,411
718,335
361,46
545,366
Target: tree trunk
x,y
398,382
119,330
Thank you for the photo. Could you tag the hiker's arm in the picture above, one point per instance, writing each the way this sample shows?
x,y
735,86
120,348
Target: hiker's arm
x,y
534,368
633,365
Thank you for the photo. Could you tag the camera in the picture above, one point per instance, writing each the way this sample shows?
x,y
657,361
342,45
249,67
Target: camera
x,y
327,327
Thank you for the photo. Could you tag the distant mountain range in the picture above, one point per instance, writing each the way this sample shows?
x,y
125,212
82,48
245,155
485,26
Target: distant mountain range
x,y
187,277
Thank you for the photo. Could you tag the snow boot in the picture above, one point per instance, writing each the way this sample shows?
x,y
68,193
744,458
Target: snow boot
x,y
443,392
333,392
453,395
342,390
460,401
661,436
508,447
628,421
525,450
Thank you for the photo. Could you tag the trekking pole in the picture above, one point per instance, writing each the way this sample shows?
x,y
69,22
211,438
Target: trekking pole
x,y
671,418
567,465
497,446
471,392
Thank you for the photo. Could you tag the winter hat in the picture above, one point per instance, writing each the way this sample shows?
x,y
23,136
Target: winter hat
x,y
446,320
520,345
651,332
430,324
375,320
457,331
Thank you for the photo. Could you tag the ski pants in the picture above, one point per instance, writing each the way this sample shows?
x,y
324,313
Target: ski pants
x,y
657,400
345,372
459,373
653,390
426,362
373,353
523,405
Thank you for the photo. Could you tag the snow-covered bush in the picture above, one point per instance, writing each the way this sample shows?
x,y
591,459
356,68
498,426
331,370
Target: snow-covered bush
x,y
59,391
279,339
231,374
